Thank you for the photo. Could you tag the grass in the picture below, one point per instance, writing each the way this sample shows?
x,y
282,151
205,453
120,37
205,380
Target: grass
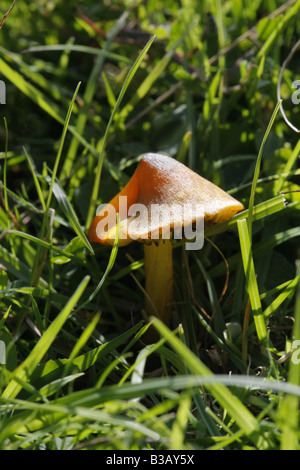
x,y
89,89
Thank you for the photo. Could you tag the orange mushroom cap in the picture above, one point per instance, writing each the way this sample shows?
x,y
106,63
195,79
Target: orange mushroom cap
x,y
172,195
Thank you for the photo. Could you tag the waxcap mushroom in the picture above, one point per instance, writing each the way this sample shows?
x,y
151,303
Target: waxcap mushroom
x,y
167,195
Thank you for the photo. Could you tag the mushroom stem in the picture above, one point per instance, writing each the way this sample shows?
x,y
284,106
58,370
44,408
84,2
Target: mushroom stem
x,y
159,280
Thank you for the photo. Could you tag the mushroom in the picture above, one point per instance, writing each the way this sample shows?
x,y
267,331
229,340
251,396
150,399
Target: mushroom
x,y
164,199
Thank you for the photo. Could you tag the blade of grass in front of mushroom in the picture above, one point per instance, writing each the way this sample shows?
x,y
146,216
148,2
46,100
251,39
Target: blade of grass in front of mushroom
x,y
102,144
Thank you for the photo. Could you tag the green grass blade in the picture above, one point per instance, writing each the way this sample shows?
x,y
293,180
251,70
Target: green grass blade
x,y
82,340
111,262
257,169
25,369
288,416
180,423
54,368
31,91
221,393
56,412
251,282
47,105
288,167
111,394
61,145
261,210
41,254
56,385
44,244
88,96
77,48
126,83
287,292
52,91
109,91
5,166
20,199
290,13
70,213
260,248
16,267
36,181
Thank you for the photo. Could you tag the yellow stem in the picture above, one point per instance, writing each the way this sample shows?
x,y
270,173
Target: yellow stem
x,y
159,280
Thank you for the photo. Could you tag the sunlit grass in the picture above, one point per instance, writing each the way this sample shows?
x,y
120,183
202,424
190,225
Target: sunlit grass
x,y
78,374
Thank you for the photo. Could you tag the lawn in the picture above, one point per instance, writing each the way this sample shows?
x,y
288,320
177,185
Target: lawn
x,y
86,89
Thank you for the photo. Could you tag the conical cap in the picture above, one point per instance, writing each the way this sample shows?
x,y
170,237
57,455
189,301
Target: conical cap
x,y
162,196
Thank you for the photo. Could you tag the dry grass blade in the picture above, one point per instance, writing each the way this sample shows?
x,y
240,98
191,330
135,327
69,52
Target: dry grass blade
x,y
7,14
